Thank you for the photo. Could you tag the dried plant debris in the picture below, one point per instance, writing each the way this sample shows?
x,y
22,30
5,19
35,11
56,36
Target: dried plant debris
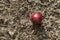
x,y
15,21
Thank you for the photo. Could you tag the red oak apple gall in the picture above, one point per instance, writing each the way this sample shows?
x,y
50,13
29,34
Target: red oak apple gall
x,y
36,18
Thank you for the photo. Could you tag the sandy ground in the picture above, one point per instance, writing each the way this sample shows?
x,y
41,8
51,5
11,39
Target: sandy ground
x,y
15,21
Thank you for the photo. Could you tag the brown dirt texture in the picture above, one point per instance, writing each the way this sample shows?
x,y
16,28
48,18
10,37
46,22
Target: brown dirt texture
x,y
15,21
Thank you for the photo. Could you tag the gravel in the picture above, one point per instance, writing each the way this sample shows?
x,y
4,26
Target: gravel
x,y
15,21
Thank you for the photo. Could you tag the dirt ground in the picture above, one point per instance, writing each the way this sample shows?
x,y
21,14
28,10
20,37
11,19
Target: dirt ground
x,y
15,21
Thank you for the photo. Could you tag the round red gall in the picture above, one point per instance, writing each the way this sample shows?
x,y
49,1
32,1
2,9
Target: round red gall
x,y
36,18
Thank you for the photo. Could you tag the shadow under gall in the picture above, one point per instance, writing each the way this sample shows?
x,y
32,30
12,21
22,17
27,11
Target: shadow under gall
x,y
38,27
40,31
